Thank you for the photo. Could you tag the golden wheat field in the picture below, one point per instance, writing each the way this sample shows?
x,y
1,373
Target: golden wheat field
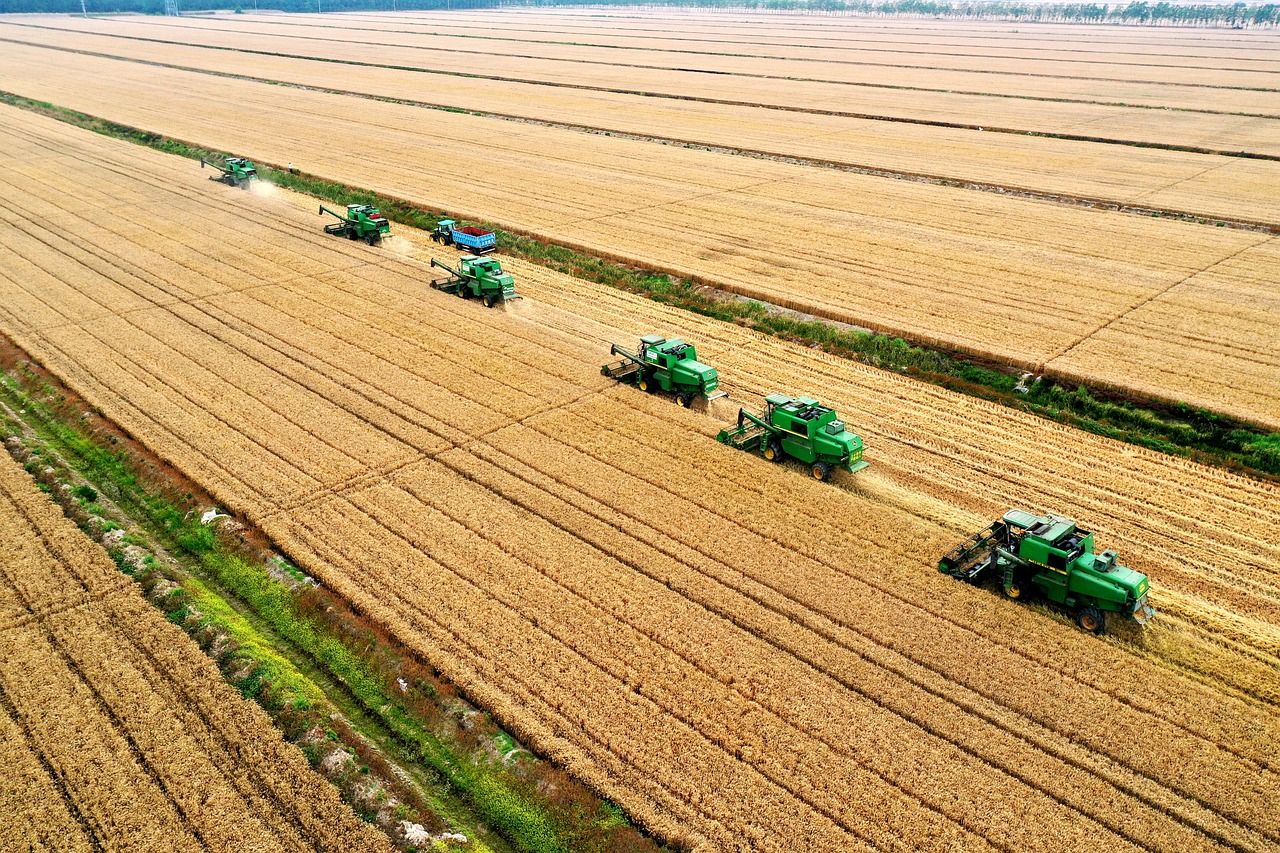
x,y
739,656
1089,206
117,732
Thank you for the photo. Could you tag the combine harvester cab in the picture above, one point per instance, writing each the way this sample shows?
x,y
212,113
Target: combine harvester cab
x,y
477,278
234,172
665,365
1051,557
798,428
475,240
358,222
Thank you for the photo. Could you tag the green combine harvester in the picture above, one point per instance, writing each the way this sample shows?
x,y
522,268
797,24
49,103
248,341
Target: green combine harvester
x,y
359,222
477,278
798,428
234,172
1050,557
665,365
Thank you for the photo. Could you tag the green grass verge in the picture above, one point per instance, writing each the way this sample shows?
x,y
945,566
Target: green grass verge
x,y
1180,430
501,805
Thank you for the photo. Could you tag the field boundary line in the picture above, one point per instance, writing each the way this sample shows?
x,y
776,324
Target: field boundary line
x,y
742,74
1009,190
709,53
1191,149
710,41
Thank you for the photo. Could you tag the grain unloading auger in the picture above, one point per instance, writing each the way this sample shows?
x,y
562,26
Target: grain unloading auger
x,y
797,428
665,365
359,222
478,278
1050,557
234,172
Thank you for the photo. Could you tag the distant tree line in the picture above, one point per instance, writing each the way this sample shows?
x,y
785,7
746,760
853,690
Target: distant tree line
x,y
1169,14
1162,13
157,7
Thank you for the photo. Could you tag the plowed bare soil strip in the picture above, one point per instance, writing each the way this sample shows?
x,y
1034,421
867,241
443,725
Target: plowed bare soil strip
x,y
701,671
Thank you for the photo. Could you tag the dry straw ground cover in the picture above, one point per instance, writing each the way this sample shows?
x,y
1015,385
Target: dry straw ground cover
x,y
1006,278
1200,184
737,654
118,733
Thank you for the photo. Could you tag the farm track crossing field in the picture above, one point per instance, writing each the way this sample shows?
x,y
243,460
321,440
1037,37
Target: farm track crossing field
x,y
941,265
1195,184
665,616
117,733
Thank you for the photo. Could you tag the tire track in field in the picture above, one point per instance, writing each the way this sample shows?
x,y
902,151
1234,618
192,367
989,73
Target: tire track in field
x,y
797,612
108,713
91,830
367,586
1026,654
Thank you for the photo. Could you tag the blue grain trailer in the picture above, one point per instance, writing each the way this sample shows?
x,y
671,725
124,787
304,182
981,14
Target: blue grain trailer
x,y
475,240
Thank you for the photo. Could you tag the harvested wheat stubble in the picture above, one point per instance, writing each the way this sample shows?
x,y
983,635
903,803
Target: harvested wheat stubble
x,y
121,734
941,265
751,675
1199,184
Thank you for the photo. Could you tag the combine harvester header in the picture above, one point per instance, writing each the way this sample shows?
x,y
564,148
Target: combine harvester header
x,y
477,278
798,428
665,365
235,172
1049,556
358,222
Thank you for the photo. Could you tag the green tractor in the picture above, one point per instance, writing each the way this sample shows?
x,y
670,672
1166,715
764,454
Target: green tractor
x,y
665,365
234,172
359,222
1050,557
798,428
479,278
